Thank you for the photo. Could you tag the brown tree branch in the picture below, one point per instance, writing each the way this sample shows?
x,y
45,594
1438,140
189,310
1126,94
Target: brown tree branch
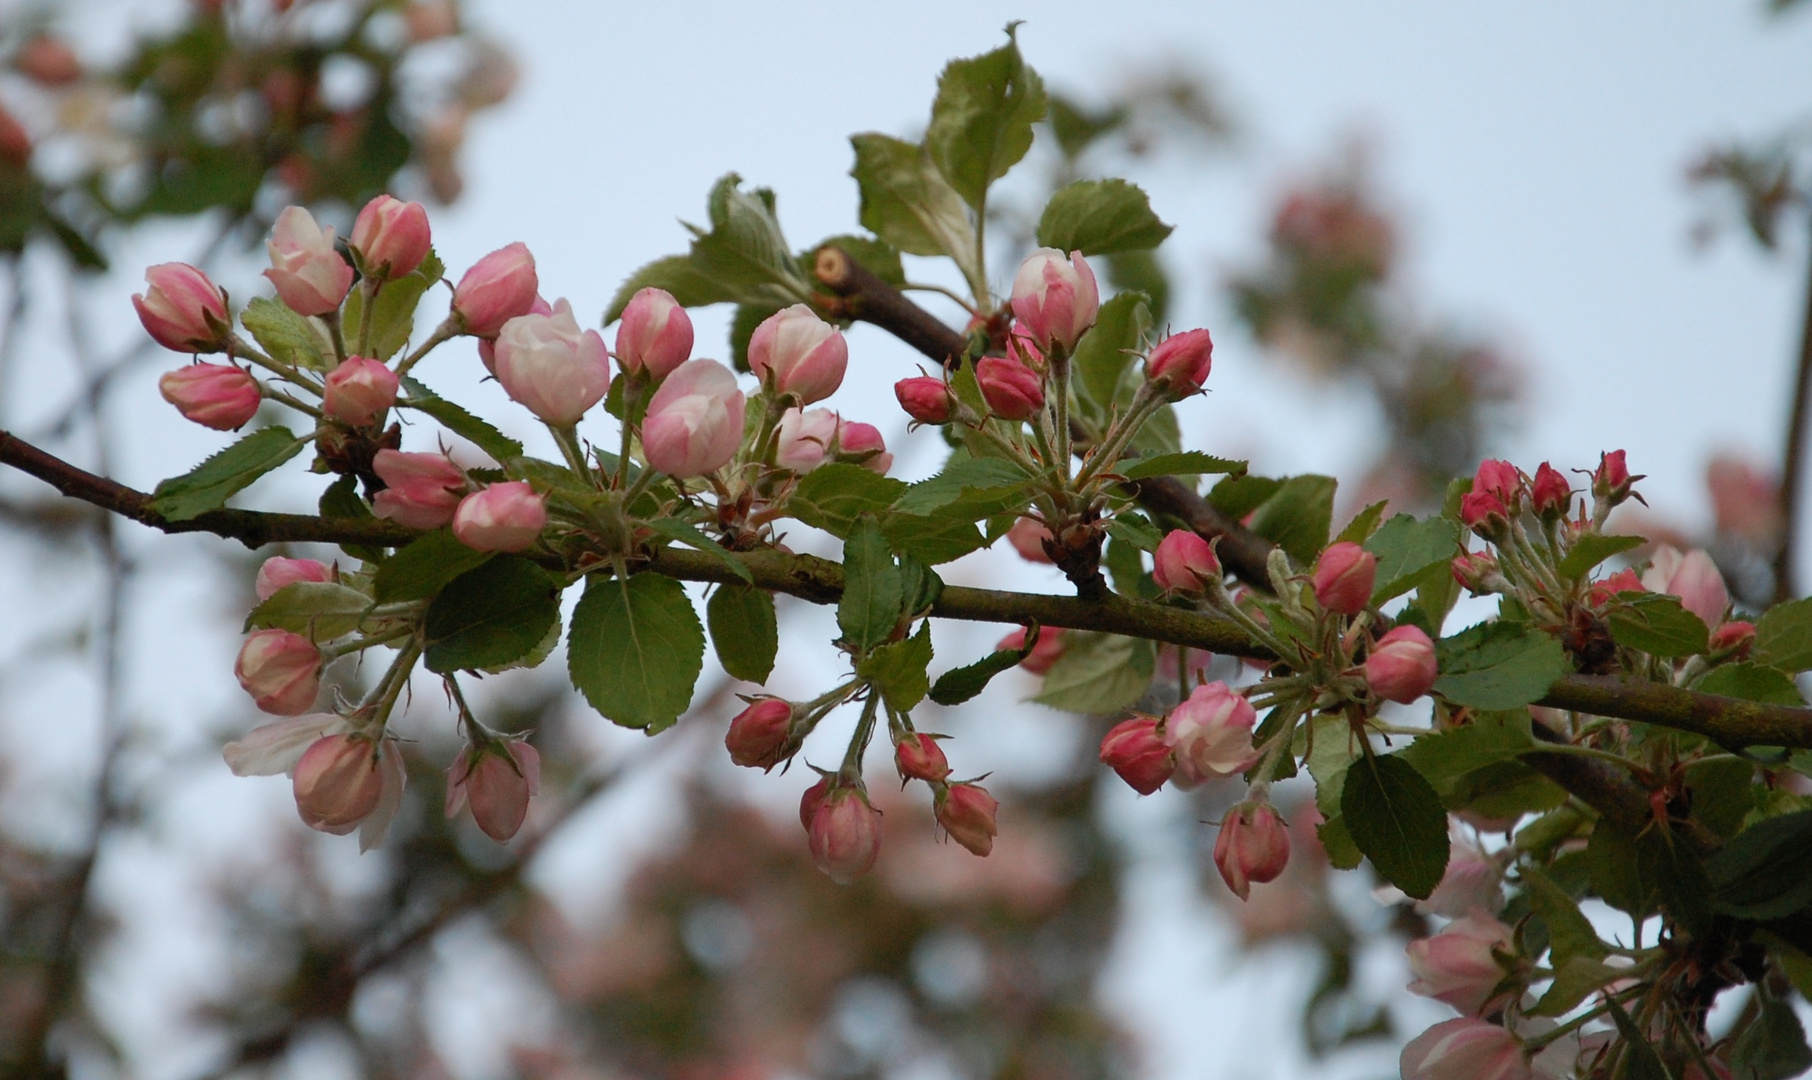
x,y
1793,464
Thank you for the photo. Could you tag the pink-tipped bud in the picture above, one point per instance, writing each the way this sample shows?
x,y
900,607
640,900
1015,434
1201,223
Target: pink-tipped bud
x,y
1459,965
182,310
1500,480
280,670
1477,572
811,800
1012,390
1465,1049
1344,576
1028,536
803,438
795,352
918,757
421,491
278,571
359,391
694,422
1622,581
498,288
391,237
1401,667
1733,640
655,335
497,786
550,366
1472,879
861,444
1185,563
926,399
309,274
1693,578
502,517
1055,297
1137,751
219,396
1043,655
1550,494
1612,481
1211,731
1485,514
967,813
758,737
338,783
844,834
1253,847
487,347
1180,363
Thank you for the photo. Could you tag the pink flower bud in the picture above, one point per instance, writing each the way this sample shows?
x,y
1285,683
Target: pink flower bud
x,y
1401,667
1043,655
497,786
502,517
655,335
803,438
278,571
918,757
1185,563
1055,297
795,352
498,288
1501,481
219,396
967,813
1465,1049
1550,494
551,367
1732,639
1137,751
1343,578
1692,577
391,237
1477,571
487,347
758,737
811,800
1485,514
182,310
1028,536
861,444
694,422
1021,351
1621,582
1458,966
281,670
309,274
1012,390
926,399
421,491
338,783
1612,481
1253,847
845,834
1211,731
359,391
1472,880
1180,363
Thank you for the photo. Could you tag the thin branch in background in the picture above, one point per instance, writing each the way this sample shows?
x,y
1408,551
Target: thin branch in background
x,y
1786,581
10,328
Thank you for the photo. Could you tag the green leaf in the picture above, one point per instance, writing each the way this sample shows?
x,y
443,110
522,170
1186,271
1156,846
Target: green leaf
x,y
1330,750
1653,870
1337,841
1408,551
899,669
981,122
1761,873
1574,981
1445,757
970,488
284,335
1498,665
870,606
1570,933
635,649
960,684
743,323
1656,624
320,609
684,533
831,497
489,616
209,485
1640,1060
456,419
745,631
908,203
1239,495
1098,673
1142,272
1593,548
676,275
1722,792
1751,682
1783,636
393,313
1099,217
1104,358
1187,463
1773,1046
1363,525
1136,530
932,540
423,567
1396,819
341,499
745,253
1297,516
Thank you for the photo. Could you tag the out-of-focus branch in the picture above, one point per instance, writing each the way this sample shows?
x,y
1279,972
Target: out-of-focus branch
x,y
1793,465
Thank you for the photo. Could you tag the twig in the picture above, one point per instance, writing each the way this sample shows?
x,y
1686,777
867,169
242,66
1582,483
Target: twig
x,y
1793,466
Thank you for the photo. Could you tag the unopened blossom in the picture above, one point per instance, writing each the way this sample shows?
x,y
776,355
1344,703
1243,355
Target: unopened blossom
x,y
1472,880
487,347
694,422
421,491
1465,1049
861,444
1055,298
803,438
1459,965
655,334
350,781
1028,537
1485,514
967,813
309,274
1550,496
1623,581
1401,666
758,735
1612,481
218,396
1343,578
1253,847
502,517
278,571
1179,365
1693,578
550,366
182,310
274,749
1184,563
498,288
926,399
1211,731
918,757
391,237
1477,572
1043,655
1501,481
1732,639
497,784
280,670
844,834
1012,390
1138,751
359,391
795,352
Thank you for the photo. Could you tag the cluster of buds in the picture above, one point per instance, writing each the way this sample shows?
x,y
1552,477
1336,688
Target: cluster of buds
x,y
963,808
